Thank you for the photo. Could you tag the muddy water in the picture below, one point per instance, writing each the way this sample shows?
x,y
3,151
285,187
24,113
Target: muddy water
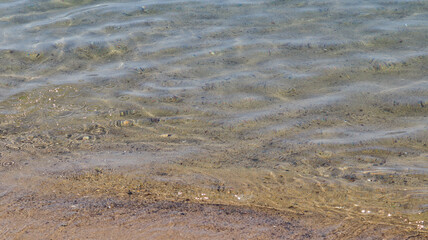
x,y
311,109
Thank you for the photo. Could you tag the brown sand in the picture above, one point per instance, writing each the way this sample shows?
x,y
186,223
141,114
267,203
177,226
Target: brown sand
x,y
123,204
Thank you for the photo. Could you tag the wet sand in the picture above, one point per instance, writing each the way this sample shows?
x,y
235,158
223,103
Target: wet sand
x,y
127,219
127,202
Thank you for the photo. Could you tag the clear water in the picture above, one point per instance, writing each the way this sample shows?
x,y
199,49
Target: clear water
x,y
313,105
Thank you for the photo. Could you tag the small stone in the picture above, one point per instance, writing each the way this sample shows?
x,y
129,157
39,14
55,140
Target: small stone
x,y
127,112
126,123
350,177
325,154
154,120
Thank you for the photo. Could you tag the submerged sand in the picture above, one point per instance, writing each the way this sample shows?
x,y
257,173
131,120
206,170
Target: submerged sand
x,y
213,120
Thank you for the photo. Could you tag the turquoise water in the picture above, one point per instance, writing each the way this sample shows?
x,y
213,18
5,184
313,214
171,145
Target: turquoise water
x,y
320,103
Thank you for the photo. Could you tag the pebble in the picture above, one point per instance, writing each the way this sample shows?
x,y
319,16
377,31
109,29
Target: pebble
x,y
124,123
86,137
126,112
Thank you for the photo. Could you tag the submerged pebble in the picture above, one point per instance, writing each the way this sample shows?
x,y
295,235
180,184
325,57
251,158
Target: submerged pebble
x,y
127,112
124,123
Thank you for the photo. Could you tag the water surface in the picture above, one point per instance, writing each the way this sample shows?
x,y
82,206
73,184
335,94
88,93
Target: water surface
x,y
299,106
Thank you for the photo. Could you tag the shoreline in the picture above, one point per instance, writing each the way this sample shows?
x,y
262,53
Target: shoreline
x,y
88,218
98,203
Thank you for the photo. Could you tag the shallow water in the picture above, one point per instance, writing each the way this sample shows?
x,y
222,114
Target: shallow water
x,y
302,106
